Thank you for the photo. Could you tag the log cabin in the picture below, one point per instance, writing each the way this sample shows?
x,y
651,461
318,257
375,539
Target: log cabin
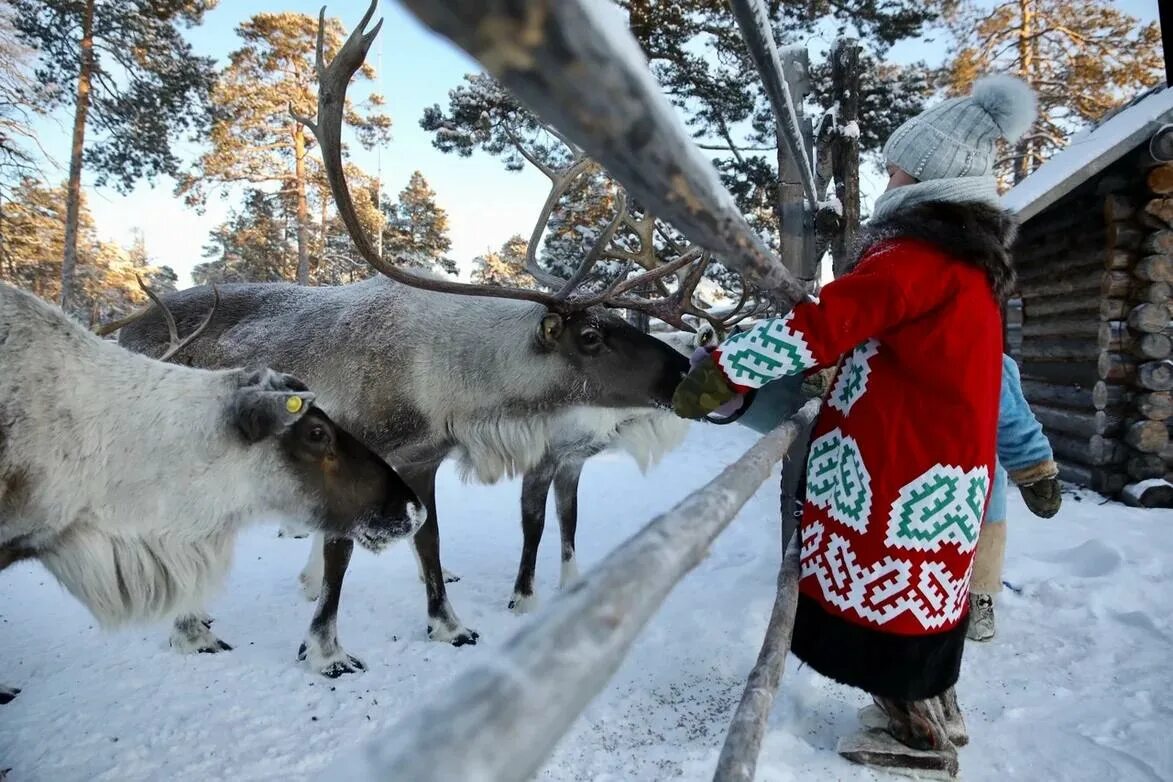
x,y
1089,324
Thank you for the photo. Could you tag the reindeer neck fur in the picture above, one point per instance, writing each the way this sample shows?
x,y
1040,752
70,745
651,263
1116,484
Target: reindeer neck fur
x,y
178,482
512,447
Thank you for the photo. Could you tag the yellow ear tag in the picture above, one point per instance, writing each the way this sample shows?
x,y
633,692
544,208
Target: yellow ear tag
x,y
293,404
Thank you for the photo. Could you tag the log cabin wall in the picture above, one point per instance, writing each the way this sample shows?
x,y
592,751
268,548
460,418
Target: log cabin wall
x,y
1092,333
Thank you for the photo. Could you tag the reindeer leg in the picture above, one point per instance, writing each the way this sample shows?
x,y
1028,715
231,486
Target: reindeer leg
x,y
321,648
535,489
8,693
310,576
191,633
443,624
566,500
449,576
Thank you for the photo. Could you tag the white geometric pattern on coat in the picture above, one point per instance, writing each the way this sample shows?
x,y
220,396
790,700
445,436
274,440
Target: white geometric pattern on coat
x,y
768,351
838,481
886,589
852,380
944,505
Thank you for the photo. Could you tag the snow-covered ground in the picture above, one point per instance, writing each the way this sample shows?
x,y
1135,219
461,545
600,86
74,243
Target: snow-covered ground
x,y
1074,687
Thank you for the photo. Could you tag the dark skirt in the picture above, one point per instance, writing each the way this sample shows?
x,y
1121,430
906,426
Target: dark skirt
x,y
904,667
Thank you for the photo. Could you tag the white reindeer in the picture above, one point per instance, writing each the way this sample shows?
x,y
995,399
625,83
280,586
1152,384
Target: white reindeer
x,y
129,478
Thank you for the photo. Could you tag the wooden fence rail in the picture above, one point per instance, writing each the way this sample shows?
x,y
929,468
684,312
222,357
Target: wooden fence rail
x,y
501,718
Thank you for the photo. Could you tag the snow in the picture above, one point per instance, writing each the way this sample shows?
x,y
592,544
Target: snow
x,y
850,130
1072,687
1090,152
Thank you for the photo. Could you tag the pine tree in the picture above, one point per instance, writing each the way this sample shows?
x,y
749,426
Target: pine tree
x,y
252,246
133,83
416,231
32,240
504,267
697,53
337,260
1084,58
20,102
254,139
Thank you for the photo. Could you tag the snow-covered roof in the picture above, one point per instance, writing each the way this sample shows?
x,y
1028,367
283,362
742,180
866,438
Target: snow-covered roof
x,y
1091,151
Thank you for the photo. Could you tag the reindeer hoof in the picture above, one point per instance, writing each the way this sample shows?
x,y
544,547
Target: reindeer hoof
x,y
331,666
468,637
457,636
218,647
201,641
7,694
523,604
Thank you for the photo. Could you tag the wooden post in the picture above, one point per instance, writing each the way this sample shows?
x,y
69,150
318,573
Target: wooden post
x,y
795,221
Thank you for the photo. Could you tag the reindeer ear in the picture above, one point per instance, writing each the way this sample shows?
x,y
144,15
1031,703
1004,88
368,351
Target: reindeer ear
x,y
260,412
551,329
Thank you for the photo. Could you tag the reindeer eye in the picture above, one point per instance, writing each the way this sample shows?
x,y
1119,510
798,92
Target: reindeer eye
x,y
317,434
591,339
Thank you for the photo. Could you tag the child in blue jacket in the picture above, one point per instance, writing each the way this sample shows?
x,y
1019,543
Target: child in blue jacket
x,y
1024,457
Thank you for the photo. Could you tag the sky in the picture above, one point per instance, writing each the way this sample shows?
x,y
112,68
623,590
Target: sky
x,y
485,204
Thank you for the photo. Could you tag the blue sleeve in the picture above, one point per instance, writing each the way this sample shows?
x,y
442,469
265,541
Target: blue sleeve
x,y
1021,442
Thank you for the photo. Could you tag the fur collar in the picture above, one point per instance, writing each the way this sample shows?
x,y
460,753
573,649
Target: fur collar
x,y
974,233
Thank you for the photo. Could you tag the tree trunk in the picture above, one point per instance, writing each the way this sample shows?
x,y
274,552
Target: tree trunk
x,y
1024,151
845,79
77,147
303,208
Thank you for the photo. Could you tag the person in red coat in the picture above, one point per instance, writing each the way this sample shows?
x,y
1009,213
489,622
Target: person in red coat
x,y
901,458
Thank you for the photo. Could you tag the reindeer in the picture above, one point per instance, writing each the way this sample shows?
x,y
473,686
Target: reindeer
x,y
576,435
417,368
129,478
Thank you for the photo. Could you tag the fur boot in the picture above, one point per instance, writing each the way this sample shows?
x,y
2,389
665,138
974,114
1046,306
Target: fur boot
x,y
916,738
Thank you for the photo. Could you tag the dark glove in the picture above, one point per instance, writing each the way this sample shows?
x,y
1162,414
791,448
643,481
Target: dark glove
x,y
1042,497
703,390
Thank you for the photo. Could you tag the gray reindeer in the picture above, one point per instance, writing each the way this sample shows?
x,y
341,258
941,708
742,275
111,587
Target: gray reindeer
x,y
129,478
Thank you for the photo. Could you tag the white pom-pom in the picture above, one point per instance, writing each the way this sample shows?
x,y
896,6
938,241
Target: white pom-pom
x,y
1009,101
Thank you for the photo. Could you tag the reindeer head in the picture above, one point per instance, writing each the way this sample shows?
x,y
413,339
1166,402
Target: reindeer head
x,y
615,364
347,488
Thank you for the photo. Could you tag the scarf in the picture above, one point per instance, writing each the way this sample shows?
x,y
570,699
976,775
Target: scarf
x,y
956,190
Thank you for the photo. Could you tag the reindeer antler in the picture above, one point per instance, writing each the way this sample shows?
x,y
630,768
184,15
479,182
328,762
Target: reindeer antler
x,y
175,344
333,80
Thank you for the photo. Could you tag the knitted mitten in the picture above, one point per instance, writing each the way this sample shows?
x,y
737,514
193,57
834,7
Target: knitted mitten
x,y
703,390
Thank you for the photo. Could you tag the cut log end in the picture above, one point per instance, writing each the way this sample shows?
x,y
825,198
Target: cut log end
x,y
1147,436
1154,493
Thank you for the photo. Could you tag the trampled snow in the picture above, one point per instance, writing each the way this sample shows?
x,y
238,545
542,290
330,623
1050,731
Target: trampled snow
x,y
1073,687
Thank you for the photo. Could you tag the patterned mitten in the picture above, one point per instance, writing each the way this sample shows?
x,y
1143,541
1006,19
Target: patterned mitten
x,y
734,404
1042,497
703,390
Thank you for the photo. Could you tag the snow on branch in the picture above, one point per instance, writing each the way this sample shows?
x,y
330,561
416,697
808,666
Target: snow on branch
x,y
500,719
619,116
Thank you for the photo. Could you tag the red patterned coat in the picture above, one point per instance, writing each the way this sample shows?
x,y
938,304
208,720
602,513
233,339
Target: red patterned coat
x,y
902,456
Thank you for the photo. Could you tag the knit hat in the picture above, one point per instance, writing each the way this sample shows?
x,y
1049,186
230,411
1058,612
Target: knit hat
x,y
956,138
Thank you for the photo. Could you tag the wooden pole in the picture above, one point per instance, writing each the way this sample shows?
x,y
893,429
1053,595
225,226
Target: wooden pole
x,y
739,755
